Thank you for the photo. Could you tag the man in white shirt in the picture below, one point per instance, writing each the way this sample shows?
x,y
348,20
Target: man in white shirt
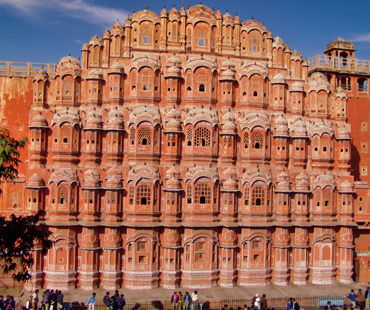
x,y
194,298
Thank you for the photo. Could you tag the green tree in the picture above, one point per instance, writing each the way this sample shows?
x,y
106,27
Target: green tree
x,y
9,154
18,234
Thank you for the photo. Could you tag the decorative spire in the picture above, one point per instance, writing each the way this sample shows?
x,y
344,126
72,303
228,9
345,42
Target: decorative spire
x,y
117,20
69,53
252,17
146,7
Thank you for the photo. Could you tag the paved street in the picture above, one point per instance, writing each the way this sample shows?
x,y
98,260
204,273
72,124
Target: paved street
x,y
217,293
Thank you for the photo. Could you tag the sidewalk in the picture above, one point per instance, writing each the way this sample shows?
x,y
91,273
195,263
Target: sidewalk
x,y
216,294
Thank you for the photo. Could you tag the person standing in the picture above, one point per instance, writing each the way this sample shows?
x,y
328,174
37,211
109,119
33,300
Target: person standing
x,y
174,300
257,305
60,300
35,299
367,298
263,302
289,304
106,301
187,300
2,302
361,299
352,297
121,302
194,298
91,302
296,305
180,301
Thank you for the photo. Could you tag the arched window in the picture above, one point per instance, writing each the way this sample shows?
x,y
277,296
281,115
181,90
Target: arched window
x,y
189,194
258,196
131,195
202,194
257,140
246,196
143,195
327,197
202,137
63,194
145,136
190,136
202,88
246,140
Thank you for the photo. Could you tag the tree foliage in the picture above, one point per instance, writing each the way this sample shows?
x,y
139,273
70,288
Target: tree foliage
x,y
18,234
18,237
9,154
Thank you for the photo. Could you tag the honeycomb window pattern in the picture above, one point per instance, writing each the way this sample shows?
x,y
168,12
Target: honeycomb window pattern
x,y
202,194
143,195
257,140
246,140
63,195
202,137
258,196
145,136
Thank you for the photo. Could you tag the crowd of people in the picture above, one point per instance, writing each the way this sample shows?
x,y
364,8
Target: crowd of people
x,y
115,302
178,300
8,303
360,300
51,300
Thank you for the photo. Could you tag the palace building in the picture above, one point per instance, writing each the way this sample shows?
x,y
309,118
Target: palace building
x,y
193,149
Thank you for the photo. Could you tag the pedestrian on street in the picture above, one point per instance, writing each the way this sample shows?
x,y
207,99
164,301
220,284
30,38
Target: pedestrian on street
x,y
174,300
187,300
194,298
289,304
263,302
91,302
121,302
107,301
35,299
352,297
367,298
180,301
361,299
60,300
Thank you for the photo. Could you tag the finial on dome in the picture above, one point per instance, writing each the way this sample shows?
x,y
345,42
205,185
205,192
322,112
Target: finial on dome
x,y
236,14
188,6
42,66
252,17
200,2
133,11
78,57
213,9
182,4
117,20
227,10
174,5
264,23
69,53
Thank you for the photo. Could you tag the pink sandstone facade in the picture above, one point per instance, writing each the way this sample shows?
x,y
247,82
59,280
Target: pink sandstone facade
x,y
190,149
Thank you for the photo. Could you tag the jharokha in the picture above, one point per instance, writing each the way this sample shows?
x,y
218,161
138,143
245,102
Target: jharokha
x,y
193,149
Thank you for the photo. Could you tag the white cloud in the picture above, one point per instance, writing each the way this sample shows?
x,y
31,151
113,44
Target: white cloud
x,y
79,9
361,37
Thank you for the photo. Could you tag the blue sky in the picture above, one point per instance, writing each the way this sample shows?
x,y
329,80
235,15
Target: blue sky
x,y
46,30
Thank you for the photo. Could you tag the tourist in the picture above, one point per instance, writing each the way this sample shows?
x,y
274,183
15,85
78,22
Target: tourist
x,y
194,298
1,302
367,298
187,300
28,305
174,300
328,306
107,301
257,305
263,302
121,302
289,304
116,299
60,300
296,305
361,299
91,302
352,297
180,301
35,299
245,307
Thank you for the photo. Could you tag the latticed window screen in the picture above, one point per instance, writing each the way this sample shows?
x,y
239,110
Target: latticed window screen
x,y
257,140
146,35
34,195
133,78
230,141
173,198
327,197
114,197
202,194
189,193
190,134
53,194
145,136
156,136
131,194
202,137
258,196
246,196
254,43
63,194
246,140
143,195
132,135
146,81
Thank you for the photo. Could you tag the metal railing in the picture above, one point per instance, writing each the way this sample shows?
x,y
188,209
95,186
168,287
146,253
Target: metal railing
x,y
25,69
272,303
338,63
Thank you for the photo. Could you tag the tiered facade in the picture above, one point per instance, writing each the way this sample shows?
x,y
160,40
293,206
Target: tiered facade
x,y
189,149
